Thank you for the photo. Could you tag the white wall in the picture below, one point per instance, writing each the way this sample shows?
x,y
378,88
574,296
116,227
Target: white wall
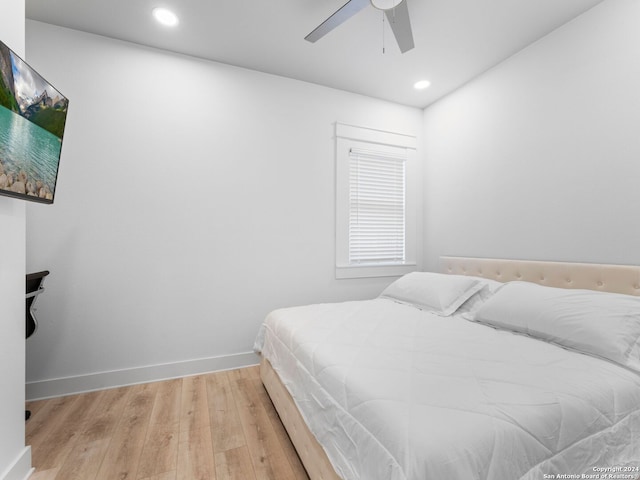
x,y
15,458
539,158
193,198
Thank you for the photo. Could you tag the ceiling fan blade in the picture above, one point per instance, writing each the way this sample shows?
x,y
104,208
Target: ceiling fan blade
x,y
398,18
345,12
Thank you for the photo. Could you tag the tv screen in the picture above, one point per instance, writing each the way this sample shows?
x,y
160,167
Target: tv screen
x,y
32,120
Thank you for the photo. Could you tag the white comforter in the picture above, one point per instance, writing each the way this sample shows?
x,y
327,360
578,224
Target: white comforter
x,y
395,393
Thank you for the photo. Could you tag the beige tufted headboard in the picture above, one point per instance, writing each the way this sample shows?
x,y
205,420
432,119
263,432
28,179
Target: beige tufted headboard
x,y
591,276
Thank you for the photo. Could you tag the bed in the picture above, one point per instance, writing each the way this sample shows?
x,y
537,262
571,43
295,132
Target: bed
x,y
459,375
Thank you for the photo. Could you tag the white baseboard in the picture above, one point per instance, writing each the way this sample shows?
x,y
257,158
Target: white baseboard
x,y
58,387
20,469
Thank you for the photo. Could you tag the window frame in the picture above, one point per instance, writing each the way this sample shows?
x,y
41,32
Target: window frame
x,y
348,137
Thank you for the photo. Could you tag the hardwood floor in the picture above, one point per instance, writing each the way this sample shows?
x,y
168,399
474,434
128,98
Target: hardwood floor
x,y
218,426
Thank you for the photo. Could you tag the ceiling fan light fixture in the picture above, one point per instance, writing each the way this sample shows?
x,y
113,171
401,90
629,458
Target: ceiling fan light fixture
x,y
395,11
385,4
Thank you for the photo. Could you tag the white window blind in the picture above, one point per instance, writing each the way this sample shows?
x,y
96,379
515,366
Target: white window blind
x,y
377,207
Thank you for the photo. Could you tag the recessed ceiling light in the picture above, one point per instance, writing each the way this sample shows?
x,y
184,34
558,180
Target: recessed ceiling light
x,y
165,17
422,84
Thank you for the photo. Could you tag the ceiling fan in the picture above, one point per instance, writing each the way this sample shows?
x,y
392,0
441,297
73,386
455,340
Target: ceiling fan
x,y
396,12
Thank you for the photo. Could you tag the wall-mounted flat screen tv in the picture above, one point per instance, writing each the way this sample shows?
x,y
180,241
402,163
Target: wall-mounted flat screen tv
x,y
32,120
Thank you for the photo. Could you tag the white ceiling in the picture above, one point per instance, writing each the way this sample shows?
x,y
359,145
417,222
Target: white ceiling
x,y
455,39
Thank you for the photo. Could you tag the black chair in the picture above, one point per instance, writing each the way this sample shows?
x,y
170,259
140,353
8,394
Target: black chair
x,y
34,287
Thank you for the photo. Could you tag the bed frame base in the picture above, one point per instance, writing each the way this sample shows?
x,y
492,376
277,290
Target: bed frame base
x,y
313,457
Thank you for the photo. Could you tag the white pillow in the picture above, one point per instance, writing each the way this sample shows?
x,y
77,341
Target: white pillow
x,y
597,323
438,293
469,308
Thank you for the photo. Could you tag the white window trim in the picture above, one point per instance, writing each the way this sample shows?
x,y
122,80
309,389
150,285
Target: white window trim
x,y
348,136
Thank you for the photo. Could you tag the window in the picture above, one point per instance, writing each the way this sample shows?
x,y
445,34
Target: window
x,y
375,203
376,207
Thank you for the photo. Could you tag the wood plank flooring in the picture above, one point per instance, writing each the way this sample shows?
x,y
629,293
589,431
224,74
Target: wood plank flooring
x,y
218,426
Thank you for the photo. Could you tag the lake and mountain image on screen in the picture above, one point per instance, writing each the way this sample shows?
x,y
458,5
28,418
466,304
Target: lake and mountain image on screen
x,y
32,121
